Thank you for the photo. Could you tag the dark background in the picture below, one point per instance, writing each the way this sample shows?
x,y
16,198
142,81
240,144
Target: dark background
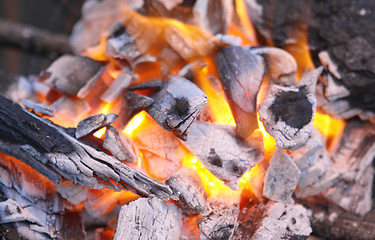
x,y
56,16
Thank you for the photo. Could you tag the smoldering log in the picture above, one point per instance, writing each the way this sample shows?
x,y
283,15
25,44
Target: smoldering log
x,y
241,74
29,205
177,105
93,123
133,103
355,151
69,74
314,162
354,197
339,28
352,158
117,87
273,220
41,143
148,219
187,186
287,111
119,145
281,178
224,154
332,222
219,221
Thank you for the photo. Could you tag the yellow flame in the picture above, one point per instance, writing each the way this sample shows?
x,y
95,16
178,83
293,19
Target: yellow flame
x,y
329,127
248,27
213,186
134,123
100,132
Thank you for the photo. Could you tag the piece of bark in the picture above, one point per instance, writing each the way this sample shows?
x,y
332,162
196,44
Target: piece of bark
x,y
68,74
93,123
219,221
145,219
281,178
287,111
119,145
241,74
356,196
133,104
273,220
117,87
38,108
224,154
177,105
37,141
187,186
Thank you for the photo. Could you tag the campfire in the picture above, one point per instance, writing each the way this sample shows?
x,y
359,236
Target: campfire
x,y
196,120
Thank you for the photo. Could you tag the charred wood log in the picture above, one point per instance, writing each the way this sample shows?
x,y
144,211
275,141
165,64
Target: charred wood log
x,y
332,222
148,219
33,38
224,154
287,111
177,105
241,74
340,28
187,186
44,145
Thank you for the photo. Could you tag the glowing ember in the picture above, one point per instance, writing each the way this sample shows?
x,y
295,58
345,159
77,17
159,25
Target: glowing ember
x,y
134,123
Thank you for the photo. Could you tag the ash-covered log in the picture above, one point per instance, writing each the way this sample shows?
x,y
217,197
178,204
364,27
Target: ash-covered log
x,y
273,220
177,105
241,74
119,145
30,208
187,186
145,219
315,164
117,87
69,74
54,153
219,221
38,107
287,111
352,158
223,153
281,178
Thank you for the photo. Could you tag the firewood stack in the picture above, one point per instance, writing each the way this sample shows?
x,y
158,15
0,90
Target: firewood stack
x,y
128,138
